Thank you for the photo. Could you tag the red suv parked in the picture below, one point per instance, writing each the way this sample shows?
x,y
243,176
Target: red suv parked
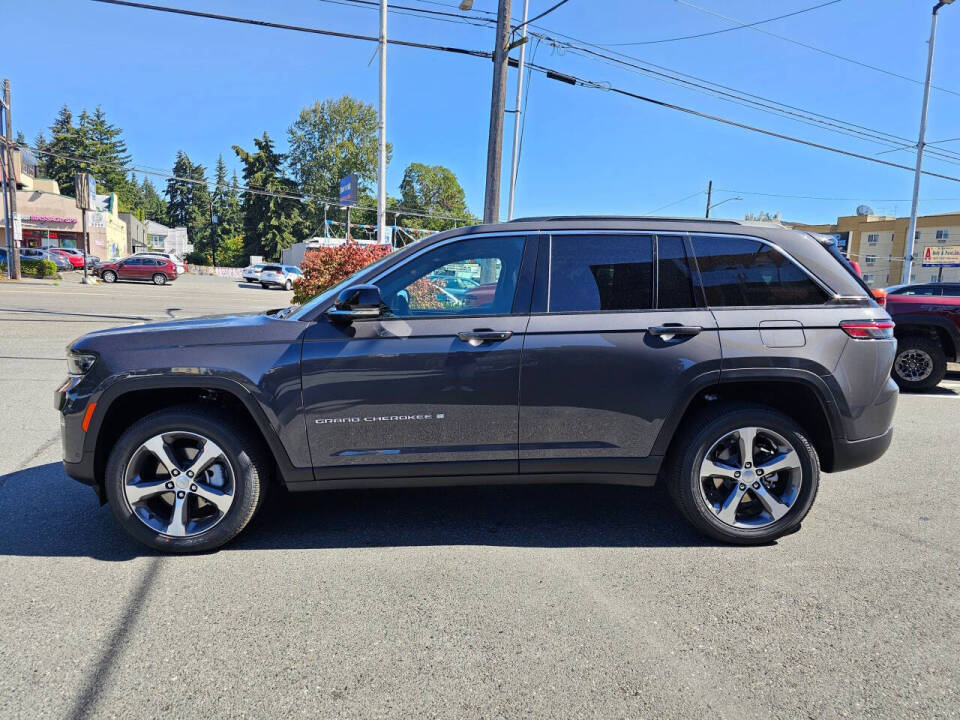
x,y
928,337
157,270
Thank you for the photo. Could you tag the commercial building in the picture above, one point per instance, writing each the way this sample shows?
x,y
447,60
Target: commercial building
x,y
136,232
161,238
49,218
878,243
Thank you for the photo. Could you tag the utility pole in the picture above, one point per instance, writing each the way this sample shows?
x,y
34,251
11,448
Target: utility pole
x,y
709,196
382,129
213,230
13,242
912,230
516,113
491,199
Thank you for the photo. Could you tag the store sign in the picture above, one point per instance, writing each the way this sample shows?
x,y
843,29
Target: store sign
x,y
50,219
941,256
348,191
17,228
97,220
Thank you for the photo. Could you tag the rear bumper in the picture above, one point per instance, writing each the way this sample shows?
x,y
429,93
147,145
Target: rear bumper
x,y
849,454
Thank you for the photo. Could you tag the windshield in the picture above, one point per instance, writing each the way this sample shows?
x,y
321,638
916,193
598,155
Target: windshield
x,y
332,292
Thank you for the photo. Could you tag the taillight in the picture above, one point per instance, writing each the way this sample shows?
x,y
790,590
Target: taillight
x,y
880,295
868,329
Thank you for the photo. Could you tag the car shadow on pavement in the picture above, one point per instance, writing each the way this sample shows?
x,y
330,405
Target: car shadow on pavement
x,y
45,513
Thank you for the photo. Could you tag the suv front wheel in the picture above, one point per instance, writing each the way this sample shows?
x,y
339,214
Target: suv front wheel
x,y
185,480
744,474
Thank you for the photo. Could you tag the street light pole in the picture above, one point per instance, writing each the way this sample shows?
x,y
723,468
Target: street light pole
x,y
382,128
516,113
912,230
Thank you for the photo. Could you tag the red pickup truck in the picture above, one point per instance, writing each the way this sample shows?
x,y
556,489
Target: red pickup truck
x,y
928,337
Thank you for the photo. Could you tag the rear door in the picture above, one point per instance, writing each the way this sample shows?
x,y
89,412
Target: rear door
x,y
618,341
773,316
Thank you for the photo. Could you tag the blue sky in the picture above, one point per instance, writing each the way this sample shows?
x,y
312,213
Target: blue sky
x,y
174,82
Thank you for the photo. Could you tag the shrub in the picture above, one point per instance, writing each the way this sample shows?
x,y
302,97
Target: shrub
x,y
34,268
326,266
195,257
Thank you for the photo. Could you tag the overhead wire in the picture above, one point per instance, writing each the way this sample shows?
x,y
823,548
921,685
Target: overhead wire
x,y
550,73
726,30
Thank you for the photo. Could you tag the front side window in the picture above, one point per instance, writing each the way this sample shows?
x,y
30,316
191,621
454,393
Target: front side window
x,y
738,272
595,273
469,277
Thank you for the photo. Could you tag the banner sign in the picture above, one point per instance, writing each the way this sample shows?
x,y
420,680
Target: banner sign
x,y
941,256
348,191
85,191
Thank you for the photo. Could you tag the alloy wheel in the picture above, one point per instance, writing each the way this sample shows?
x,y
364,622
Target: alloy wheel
x,y
179,484
750,477
914,365
109,276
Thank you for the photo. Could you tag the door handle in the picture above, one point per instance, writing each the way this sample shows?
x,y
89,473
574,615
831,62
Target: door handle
x,y
478,337
668,332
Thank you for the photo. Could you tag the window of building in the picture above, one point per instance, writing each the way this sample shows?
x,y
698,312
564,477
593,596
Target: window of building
x,y
600,272
916,235
870,259
943,234
745,272
868,279
873,238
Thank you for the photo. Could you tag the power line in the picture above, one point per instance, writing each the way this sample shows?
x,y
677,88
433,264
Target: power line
x,y
552,74
675,202
296,28
574,80
816,49
253,190
838,199
537,17
726,30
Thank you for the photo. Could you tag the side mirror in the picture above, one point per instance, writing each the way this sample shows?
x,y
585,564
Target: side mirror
x,y
359,302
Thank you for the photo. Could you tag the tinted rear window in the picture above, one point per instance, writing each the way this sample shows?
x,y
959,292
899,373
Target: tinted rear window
x,y
600,272
271,268
739,272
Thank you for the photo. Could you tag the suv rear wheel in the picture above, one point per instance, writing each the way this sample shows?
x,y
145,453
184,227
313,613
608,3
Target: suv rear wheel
x,y
159,279
183,480
920,363
744,474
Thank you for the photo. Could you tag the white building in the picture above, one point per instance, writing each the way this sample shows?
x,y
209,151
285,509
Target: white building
x,y
161,238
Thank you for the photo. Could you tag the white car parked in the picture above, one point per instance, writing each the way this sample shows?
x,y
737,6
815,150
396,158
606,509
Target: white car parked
x,y
279,276
178,263
251,273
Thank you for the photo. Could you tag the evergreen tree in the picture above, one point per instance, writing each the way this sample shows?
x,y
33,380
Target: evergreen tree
x,y
225,203
189,202
270,223
64,141
154,207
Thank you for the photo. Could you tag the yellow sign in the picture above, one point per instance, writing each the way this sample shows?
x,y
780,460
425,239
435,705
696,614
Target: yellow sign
x,y
940,255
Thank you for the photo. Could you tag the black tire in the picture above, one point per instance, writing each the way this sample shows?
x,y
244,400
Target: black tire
x,y
159,279
913,353
243,450
109,276
264,286
690,448
288,285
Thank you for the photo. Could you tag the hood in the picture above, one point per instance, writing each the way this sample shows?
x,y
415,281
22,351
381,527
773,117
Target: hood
x,y
210,330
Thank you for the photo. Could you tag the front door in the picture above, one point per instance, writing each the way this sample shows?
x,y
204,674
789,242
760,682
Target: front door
x,y
435,380
130,269
618,340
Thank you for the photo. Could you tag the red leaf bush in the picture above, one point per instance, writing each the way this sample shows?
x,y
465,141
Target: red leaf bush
x,y
326,266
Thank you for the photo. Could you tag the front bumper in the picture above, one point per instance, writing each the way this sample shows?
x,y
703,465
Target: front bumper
x,y
849,454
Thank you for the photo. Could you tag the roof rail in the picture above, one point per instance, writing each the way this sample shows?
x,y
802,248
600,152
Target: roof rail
x,y
645,218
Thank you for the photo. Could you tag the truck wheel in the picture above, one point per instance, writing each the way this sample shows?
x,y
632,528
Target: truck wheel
x,y
920,363
185,479
743,474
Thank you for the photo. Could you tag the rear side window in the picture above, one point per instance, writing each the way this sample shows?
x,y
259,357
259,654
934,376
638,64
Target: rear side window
x,y
593,273
675,281
744,272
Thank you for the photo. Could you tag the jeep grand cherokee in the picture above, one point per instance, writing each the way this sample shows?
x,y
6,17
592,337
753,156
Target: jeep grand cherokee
x,y
731,361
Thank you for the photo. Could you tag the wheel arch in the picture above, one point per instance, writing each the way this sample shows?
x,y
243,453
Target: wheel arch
x,y
125,402
945,331
802,396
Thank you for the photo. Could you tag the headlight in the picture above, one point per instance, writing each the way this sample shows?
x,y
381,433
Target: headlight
x,y
80,363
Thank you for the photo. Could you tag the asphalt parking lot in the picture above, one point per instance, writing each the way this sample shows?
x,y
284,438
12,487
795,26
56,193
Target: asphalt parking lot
x,y
549,602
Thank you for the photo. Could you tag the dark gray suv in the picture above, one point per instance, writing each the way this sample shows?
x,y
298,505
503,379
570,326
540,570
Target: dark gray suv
x,y
731,361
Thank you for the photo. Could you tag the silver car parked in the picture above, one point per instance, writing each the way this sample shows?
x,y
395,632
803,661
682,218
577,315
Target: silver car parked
x,y
279,276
